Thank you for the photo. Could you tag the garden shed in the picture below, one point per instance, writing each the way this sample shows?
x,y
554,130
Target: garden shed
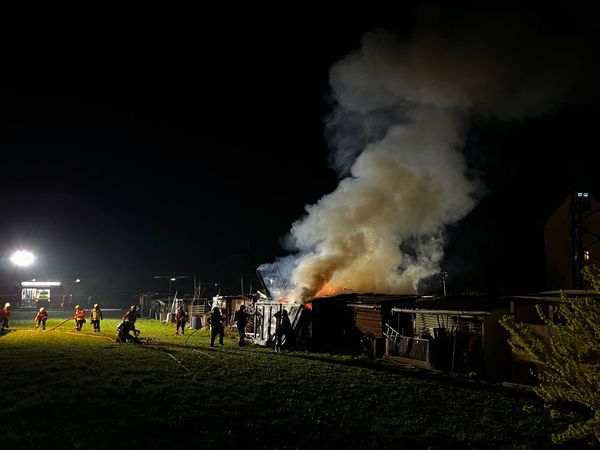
x,y
457,334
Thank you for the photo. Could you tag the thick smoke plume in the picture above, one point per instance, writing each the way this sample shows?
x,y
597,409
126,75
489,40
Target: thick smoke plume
x,y
397,132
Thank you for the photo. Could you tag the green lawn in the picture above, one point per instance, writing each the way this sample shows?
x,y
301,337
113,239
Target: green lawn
x,y
67,390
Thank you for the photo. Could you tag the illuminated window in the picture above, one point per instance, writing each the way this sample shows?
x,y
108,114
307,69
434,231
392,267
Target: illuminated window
x,y
583,194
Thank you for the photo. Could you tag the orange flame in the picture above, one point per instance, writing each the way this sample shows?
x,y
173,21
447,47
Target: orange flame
x,y
328,290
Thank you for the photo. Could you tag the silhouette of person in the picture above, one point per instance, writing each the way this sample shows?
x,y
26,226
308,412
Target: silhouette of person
x,y
180,319
241,320
283,327
216,326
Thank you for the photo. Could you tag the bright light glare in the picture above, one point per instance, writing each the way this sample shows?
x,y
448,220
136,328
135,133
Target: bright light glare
x,y
22,258
40,283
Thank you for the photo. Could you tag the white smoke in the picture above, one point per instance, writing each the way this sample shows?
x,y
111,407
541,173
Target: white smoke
x,y
402,189
397,132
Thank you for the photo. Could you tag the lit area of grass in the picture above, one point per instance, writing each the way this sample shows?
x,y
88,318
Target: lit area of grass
x,y
62,389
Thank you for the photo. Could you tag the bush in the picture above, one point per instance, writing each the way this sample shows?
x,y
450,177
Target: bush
x,y
568,363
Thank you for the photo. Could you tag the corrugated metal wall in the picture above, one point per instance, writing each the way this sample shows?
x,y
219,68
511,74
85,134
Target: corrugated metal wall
x,y
426,322
369,321
266,322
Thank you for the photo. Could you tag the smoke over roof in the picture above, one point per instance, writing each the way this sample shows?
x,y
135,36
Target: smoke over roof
x,y
396,132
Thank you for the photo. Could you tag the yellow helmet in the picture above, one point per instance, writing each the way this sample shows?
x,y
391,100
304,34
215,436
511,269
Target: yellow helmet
x,y
77,307
42,309
96,305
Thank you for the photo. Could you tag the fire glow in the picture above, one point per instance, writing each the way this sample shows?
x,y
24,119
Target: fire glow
x,y
328,290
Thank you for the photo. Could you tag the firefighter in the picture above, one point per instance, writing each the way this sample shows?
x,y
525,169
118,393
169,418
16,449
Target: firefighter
x,y
79,317
283,327
4,315
125,328
132,314
40,318
180,318
241,320
216,326
96,317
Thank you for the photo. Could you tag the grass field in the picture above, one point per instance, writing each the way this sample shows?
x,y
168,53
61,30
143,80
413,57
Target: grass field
x,y
84,391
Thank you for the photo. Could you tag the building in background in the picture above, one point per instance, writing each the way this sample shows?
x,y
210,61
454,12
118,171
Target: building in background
x,y
572,240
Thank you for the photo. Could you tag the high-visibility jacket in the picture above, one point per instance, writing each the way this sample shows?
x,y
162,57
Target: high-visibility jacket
x,y
79,314
5,313
40,315
96,314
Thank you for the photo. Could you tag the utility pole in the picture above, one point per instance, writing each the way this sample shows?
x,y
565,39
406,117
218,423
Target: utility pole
x,y
444,278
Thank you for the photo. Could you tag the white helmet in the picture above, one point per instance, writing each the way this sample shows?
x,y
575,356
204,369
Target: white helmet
x,y
7,305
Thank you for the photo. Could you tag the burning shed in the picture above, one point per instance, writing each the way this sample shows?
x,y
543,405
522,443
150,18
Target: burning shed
x,y
336,323
327,322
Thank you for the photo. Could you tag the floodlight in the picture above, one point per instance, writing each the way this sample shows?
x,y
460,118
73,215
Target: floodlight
x,y
22,258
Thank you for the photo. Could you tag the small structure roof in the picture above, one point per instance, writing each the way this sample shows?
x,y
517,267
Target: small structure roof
x,y
554,296
472,304
369,299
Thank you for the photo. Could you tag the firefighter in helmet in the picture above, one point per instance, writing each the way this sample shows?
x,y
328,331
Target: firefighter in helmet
x,y
96,317
79,317
40,318
124,330
132,314
4,315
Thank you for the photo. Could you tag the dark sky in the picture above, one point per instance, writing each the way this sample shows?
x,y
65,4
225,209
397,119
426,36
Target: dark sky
x,y
173,138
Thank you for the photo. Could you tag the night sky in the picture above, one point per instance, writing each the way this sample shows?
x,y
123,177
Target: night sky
x,y
186,139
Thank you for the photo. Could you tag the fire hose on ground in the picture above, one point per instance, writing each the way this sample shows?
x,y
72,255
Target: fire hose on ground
x,y
189,336
62,323
196,325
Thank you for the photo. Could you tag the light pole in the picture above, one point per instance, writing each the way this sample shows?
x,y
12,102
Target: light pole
x,y
171,279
